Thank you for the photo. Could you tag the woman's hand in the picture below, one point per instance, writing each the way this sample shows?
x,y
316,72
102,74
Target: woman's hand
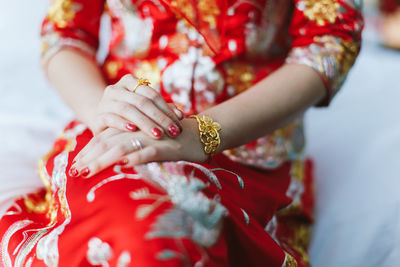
x,y
115,146
145,109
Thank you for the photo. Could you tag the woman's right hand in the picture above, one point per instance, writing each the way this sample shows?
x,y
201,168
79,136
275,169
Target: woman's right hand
x,y
145,109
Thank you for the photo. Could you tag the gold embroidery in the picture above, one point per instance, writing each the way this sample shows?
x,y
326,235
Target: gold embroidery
x,y
185,7
61,12
149,70
290,261
297,170
348,56
321,11
301,240
112,68
208,10
345,52
240,76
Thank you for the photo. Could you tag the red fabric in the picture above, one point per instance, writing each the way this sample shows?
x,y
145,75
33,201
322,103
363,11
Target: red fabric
x,y
111,216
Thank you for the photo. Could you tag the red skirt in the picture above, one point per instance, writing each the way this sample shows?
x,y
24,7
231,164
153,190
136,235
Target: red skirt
x,y
160,214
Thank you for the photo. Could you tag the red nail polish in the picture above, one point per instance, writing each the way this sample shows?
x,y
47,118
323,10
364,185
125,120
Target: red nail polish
x,y
122,162
173,131
85,172
156,132
130,127
73,162
73,172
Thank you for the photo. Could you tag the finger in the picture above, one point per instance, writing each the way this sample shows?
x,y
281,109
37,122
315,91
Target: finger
x,y
105,160
159,101
177,111
111,120
92,143
167,120
128,83
134,115
149,154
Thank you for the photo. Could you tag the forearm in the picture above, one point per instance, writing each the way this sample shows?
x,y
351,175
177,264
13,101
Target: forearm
x,y
268,105
79,82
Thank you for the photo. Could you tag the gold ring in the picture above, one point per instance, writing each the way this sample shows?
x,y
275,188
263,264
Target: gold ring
x,y
136,144
141,81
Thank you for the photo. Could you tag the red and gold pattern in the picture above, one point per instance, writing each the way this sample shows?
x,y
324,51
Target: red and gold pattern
x,y
197,54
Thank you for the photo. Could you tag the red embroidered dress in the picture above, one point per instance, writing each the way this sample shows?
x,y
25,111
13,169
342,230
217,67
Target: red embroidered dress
x,y
251,206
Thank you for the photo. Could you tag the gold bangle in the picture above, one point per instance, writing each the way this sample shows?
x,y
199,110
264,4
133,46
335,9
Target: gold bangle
x,y
140,82
209,133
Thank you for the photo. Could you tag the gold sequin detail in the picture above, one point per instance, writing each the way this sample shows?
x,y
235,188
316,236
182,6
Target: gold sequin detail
x,y
240,76
321,11
301,240
149,70
61,12
290,261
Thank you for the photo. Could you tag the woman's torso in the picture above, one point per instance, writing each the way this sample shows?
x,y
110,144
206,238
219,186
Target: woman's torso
x,y
198,55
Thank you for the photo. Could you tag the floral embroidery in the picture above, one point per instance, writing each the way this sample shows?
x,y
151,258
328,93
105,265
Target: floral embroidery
x,y
270,151
329,55
61,12
321,11
99,252
240,76
209,10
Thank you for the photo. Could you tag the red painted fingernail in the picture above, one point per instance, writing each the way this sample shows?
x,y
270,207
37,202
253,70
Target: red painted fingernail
x,y
73,162
122,162
156,132
173,131
85,172
73,172
130,127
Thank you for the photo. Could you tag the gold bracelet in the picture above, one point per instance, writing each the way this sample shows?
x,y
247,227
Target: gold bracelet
x,y
209,133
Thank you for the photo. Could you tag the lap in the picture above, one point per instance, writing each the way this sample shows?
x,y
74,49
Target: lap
x,y
168,214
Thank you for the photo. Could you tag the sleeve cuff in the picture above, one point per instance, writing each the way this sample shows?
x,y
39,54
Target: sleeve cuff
x,y
53,43
330,57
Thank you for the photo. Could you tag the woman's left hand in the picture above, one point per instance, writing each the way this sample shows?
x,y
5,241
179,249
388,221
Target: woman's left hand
x,y
115,146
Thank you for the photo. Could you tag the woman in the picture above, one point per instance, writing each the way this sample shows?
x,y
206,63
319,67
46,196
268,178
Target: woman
x,y
138,180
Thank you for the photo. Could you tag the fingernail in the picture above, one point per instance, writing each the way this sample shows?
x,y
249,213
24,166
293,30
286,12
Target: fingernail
x,y
130,127
156,132
122,162
73,162
85,172
173,131
73,172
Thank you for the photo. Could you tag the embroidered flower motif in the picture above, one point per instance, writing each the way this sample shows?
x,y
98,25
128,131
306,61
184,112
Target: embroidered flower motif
x,y
321,11
240,76
99,252
61,12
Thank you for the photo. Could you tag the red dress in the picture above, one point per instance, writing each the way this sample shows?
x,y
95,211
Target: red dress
x,y
250,206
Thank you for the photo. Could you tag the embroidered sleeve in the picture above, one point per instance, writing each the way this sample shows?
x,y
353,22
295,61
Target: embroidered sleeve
x,y
327,37
71,23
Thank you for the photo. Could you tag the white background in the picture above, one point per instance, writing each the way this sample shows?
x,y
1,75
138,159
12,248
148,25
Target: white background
x,y
355,142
